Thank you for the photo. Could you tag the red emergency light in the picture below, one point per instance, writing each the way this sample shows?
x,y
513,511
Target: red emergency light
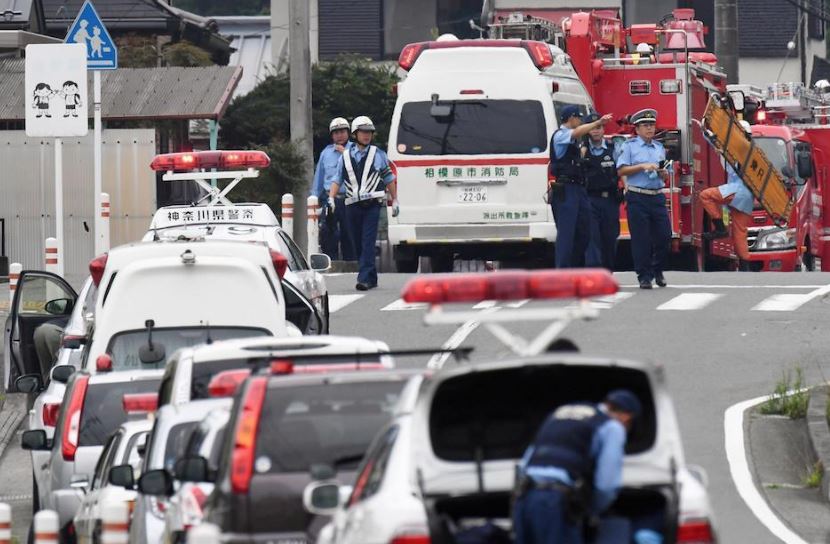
x,y
539,52
135,403
201,160
511,285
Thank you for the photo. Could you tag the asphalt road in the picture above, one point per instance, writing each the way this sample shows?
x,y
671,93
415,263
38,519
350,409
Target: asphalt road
x,y
722,338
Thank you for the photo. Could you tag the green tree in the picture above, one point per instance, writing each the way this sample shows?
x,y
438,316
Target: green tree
x,y
186,54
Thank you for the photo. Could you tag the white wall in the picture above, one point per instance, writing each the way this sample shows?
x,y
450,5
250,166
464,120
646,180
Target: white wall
x,y
763,71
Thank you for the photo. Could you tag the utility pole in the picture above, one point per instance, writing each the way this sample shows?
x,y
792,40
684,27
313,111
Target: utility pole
x,y
802,41
726,37
301,131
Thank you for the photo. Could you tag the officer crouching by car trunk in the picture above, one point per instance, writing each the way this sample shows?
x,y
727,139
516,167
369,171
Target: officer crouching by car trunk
x,y
572,471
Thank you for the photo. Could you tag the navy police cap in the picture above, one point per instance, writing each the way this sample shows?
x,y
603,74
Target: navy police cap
x,y
591,117
567,112
644,116
625,401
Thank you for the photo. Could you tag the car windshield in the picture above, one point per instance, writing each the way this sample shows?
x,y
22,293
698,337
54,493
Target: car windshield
x,y
103,409
474,127
322,424
776,151
124,346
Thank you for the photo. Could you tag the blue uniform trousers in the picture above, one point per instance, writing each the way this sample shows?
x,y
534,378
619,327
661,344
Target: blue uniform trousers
x,y
539,518
335,239
648,222
363,227
572,213
605,229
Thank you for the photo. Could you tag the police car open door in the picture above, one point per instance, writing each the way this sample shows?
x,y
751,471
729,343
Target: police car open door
x,y
749,161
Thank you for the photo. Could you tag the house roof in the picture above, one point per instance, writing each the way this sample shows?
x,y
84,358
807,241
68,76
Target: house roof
x,y
251,39
116,14
765,27
15,12
133,94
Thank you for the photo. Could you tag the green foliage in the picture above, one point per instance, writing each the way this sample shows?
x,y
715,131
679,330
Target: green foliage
x,y
186,54
813,478
224,7
135,51
782,402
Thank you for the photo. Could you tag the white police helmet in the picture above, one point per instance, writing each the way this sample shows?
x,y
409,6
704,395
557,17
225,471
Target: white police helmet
x,y
643,48
362,122
822,85
338,123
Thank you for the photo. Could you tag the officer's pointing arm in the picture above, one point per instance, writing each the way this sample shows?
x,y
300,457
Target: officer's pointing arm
x,y
584,129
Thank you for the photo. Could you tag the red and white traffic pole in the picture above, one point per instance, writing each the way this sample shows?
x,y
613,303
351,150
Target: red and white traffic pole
x,y
14,276
51,257
104,238
115,523
46,527
312,226
288,214
5,523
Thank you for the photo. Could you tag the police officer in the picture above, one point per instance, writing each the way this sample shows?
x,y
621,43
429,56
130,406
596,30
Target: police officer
x,y
334,240
735,194
366,175
573,469
568,199
641,162
601,183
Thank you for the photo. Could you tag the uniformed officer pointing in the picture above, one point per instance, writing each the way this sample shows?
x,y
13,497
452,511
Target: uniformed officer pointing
x,y
573,469
568,198
602,183
641,162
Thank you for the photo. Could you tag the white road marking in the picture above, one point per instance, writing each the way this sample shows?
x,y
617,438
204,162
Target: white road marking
x,y
461,333
608,302
401,305
518,303
733,428
789,302
338,302
689,301
484,304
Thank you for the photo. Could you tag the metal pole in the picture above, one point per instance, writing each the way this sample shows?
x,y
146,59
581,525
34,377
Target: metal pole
x,y
59,204
301,130
726,37
96,145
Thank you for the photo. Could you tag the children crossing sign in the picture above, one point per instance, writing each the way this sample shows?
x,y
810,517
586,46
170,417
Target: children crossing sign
x,y
55,87
89,30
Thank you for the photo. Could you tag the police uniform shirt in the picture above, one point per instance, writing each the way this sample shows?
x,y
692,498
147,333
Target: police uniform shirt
x,y
327,171
744,200
562,138
381,164
597,150
636,151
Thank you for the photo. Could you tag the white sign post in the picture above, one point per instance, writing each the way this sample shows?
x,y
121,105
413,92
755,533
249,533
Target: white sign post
x,y
56,106
102,54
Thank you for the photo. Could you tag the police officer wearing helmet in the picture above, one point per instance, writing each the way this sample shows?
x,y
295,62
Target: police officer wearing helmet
x,y
568,198
601,182
365,174
641,161
573,469
334,233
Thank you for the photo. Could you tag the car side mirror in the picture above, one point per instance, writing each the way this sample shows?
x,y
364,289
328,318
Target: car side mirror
x,y
192,469
122,476
804,164
156,482
29,383
319,262
62,373
35,440
322,498
59,306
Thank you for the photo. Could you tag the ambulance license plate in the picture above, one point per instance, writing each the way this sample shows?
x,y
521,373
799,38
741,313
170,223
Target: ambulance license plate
x,y
472,194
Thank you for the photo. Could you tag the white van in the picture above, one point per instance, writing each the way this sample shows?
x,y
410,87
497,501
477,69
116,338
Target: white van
x,y
469,139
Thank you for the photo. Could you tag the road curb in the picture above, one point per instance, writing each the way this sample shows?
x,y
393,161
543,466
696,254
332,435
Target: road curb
x,y
820,433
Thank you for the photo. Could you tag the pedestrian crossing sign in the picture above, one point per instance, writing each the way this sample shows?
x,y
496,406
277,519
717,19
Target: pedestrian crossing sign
x,y
89,30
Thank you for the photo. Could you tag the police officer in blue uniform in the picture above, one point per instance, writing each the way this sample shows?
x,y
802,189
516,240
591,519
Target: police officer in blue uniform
x,y
334,233
568,198
573,469
641,162
366,175
604,196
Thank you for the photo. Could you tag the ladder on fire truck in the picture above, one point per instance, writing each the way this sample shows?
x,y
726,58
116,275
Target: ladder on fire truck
x,y
520,26
798,102
750,162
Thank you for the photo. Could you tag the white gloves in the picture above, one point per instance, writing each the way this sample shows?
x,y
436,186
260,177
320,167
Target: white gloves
x,y
396,208
331,204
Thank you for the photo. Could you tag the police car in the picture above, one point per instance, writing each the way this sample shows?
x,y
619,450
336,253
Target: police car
x,y
469,139
217,218
447,459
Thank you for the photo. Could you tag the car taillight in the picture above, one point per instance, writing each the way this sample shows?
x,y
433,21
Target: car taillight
x,y
139,403
410,54
103,363
540,53
414,538
72,419
96,268
280,263
227,382
695,531
242,458
281,367
50,413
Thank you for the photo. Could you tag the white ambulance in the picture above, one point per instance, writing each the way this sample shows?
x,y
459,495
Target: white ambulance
x,y
470,142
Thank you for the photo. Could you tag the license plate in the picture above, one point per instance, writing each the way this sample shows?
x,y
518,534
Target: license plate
x,y
472,194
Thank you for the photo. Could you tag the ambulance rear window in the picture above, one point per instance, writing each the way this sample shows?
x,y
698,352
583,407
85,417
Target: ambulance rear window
x,y
475,127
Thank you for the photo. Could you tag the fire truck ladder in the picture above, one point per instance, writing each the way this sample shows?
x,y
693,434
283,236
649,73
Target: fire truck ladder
x,y
750,162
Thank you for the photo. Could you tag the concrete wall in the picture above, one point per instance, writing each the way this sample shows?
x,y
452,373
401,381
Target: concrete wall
x,y
279,32
763,71
28,203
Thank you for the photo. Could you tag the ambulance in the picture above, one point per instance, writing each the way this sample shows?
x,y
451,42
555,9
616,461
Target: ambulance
x,y
469,140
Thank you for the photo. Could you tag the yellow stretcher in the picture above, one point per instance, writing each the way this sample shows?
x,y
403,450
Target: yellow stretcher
x,y
757,172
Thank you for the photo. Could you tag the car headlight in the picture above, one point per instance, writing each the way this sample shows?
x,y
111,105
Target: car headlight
x,y
775,239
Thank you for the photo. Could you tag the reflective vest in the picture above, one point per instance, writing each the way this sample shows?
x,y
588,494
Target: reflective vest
x,y
362,180
565,438
567,169
600,171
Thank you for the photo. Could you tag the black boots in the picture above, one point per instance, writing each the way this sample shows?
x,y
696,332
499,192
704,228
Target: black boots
x,y
719,232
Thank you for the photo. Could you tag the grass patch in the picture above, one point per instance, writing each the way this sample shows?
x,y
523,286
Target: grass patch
x,y
813,479
781,402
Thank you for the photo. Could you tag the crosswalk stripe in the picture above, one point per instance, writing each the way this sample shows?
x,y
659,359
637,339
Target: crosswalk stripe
x,y
401,305
689,301
782,303
338,302
484,304
608,302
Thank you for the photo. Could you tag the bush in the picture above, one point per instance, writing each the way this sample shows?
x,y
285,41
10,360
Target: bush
x,y
782,402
